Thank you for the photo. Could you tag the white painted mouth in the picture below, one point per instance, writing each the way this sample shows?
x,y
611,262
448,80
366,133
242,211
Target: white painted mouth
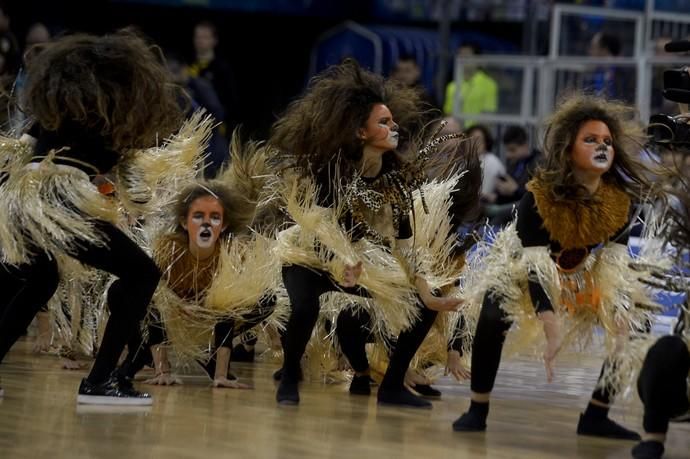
x,y
601,158
393,138
204,238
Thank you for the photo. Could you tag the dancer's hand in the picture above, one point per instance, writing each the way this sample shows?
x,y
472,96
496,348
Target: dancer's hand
x,y
42,343
44,336
442,304
230,384
351,274
164,379
69,364
435,303
554,341
456,367
413,378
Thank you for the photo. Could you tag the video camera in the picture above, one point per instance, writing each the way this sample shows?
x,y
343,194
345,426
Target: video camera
x,y
673,130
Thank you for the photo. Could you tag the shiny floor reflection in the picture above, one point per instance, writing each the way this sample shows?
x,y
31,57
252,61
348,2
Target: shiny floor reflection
x,y
529,418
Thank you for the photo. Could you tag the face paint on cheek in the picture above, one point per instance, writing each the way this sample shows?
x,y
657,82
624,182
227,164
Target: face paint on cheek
x,y
392,137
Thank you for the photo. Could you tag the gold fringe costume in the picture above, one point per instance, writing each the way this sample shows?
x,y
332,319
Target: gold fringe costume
x,y
50,207
195,295
78,309
318,240
435,257
586,288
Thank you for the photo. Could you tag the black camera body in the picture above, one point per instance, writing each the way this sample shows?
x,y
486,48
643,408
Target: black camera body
x,y
668,130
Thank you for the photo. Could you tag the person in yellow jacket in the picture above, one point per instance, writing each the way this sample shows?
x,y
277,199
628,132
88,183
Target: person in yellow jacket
x,y
479,91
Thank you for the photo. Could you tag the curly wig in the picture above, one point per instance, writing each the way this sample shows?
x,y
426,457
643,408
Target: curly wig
x,y
628,172
320,128
235,210
115,85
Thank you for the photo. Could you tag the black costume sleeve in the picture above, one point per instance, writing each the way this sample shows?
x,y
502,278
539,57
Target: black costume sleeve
x,y
404,228
531,231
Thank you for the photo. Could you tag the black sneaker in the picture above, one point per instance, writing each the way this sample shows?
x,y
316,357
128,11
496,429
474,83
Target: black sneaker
x,y
241,354
648,450
604,427
360,385
470,422
425,390
113,391
210,369
685,417
287,393
402,398
278,375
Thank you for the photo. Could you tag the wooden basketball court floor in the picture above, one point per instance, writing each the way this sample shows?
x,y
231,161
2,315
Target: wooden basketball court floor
x,y
39,418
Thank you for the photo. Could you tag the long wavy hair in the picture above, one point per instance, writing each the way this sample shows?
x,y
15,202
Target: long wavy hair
x,y
114,85
628,171
318,131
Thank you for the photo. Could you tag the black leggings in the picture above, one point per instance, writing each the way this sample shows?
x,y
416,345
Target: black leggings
x,y
27,288
139,353
487,346
354,332
304,287
225,330
662,384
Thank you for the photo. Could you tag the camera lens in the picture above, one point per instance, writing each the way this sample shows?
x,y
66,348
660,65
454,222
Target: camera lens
x,y
661,129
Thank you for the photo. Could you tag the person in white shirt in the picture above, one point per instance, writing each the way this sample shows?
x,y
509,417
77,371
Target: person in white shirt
x,y
492,167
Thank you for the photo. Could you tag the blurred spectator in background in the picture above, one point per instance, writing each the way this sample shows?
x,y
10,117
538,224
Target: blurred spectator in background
x,y
605,81
492,167
659,103
9,66
202,95
521,163
408,72
212,67
9,47
38,33
478,90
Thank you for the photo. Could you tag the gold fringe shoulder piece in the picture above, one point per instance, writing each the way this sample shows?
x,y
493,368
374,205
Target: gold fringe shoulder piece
x,y
434,241
51,208
149,180
14,154
245,272
575,224
606,293
317,240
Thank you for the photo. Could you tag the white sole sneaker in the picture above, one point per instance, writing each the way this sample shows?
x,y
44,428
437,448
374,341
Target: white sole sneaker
x,y
115,401
113,409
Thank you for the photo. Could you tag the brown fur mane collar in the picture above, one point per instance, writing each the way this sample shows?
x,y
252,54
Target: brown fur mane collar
x,y
575,223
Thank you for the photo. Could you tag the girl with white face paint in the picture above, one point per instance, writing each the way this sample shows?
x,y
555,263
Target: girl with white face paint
x,y
592,153
575,216
208,220
204,225
342,135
